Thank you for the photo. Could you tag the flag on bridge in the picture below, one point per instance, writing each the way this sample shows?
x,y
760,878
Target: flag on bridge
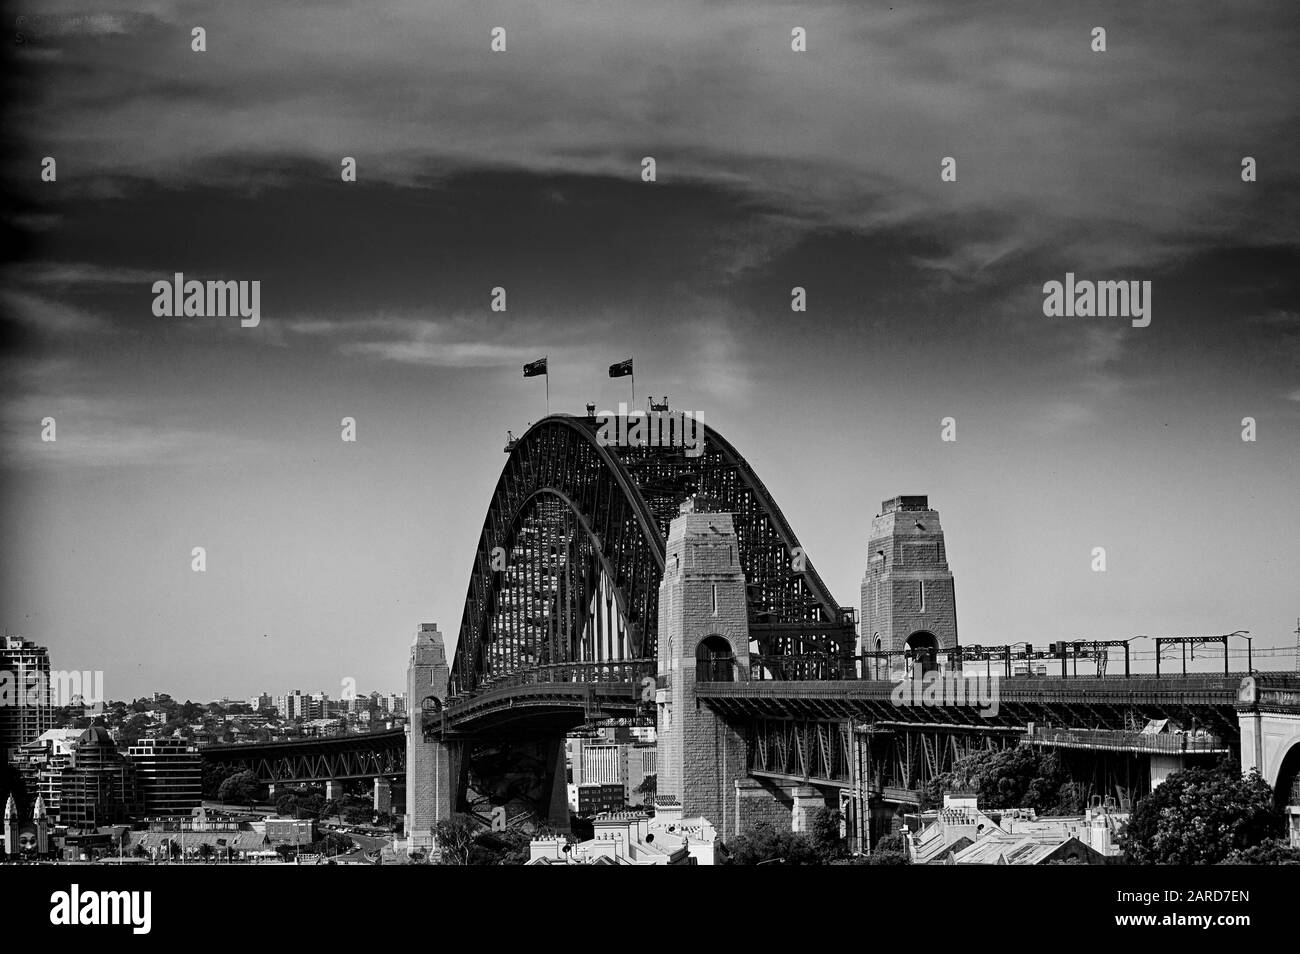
x,y
621,370
533,368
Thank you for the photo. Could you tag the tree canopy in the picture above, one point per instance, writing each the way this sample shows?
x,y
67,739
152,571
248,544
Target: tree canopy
x,y
768,845
240,788
1019,777
1201,817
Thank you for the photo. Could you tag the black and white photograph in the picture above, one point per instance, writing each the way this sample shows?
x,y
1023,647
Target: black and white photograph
x,y
831,434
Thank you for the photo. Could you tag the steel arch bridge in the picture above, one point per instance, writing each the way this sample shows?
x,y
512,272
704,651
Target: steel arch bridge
x,y
569,562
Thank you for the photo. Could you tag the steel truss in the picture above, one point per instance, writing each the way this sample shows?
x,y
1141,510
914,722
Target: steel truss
x,y
906,757
806,750
317,761
568,565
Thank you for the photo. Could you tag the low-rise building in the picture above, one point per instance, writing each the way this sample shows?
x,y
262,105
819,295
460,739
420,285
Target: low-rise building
x,y
960,833
634,838
290,831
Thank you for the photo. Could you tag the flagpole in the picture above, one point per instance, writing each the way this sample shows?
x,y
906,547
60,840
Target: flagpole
x,y
548,385
632,366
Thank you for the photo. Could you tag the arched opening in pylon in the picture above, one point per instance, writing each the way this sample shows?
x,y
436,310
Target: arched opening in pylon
x,y
714,660
924,647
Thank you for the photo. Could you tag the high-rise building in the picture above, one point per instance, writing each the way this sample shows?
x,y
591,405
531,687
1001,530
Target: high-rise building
x,y
42,762
99,787
259,702
169,774
293,705
907,593
318,704
602,765
25,710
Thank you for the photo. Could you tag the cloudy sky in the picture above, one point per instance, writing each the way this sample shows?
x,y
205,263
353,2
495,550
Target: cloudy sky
x,y
522,169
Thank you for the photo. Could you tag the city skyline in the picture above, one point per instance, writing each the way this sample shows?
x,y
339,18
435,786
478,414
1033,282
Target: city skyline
x,y
523,171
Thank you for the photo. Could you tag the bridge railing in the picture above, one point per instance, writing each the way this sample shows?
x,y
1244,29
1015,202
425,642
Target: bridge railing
x,y
892,665
626,671
1174,742
799,667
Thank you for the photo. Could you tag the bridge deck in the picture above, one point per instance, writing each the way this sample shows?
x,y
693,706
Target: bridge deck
x,y
1109,702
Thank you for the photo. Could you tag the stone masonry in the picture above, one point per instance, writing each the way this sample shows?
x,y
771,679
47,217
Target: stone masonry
x,y
429,785
908,588
701,601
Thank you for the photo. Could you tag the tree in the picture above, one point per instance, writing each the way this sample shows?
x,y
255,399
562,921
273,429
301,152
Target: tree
x,y
648,787
890,850
455,839
133,729
894,842
766,845
884,858
214,773
1275,851
509,847
336,844
825,834
1199,817
1020,777
205,850
240,788
286,851
357,815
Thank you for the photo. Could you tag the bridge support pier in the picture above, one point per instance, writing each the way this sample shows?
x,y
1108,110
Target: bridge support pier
x,y
333,789
703,634
806,802
1163,766
1268,712
383,796
430,782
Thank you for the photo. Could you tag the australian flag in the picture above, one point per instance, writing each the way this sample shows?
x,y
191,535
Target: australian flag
x,y
534,368
621,370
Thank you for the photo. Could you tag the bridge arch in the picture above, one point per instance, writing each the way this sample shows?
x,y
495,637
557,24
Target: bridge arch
x,y
569,562
1286,791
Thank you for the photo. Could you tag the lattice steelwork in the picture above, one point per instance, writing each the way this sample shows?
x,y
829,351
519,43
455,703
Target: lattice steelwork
x,y
802,749
340,757
909,757
581,529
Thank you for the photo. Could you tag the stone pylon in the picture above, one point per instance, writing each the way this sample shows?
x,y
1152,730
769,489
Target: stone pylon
x,y
430,787
703,636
